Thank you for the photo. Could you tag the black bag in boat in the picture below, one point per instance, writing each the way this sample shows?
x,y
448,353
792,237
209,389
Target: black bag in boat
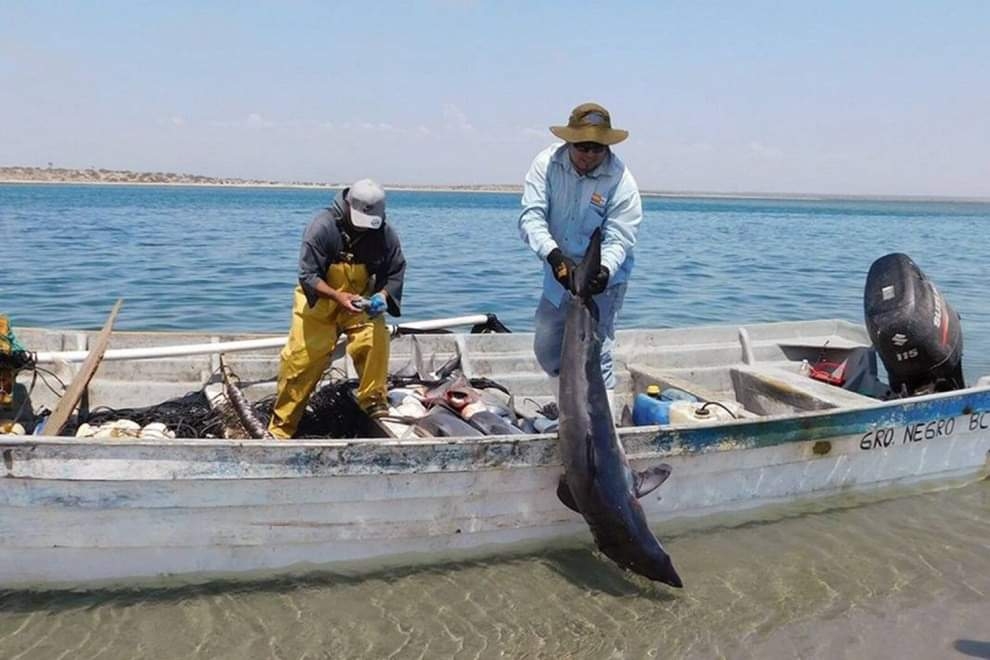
x,y
912,327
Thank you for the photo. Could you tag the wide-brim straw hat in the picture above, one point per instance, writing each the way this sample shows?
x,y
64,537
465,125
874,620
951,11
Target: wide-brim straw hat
x,y
590,122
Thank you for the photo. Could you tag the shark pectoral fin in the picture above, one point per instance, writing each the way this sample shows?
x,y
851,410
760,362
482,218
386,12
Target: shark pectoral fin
x,y
565,496
648,480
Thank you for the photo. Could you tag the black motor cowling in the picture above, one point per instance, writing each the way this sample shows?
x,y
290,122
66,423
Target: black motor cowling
x,y
913,328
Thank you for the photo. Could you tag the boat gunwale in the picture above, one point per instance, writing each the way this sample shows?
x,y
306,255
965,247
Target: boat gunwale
x,y
803,425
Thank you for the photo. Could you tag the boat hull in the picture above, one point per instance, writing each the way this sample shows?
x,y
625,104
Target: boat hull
x,y
77,512
74,512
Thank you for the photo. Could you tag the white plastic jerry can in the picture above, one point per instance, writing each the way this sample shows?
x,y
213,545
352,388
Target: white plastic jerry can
x,y
693,412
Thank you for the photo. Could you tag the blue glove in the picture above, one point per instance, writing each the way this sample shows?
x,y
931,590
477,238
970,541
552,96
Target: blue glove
x,y
376,305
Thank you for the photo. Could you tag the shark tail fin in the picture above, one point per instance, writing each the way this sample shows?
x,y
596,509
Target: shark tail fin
x,y
589,266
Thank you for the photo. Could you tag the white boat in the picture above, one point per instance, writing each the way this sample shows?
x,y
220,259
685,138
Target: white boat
x,y
79,511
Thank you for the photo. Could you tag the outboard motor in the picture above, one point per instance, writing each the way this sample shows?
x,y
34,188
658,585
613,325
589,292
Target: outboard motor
x,y
916,332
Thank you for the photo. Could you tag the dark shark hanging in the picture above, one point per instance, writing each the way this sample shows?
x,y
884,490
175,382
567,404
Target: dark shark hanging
x,y
598,482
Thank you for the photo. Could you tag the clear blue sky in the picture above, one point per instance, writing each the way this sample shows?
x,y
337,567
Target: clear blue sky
x,y
830,97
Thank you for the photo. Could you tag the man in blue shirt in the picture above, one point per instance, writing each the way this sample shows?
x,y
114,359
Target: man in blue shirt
x,y
570,190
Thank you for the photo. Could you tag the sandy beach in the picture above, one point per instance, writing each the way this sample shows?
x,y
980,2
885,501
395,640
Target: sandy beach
x,y
62,176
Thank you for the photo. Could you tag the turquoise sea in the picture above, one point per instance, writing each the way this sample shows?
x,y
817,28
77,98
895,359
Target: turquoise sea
x,y
225,258
905,577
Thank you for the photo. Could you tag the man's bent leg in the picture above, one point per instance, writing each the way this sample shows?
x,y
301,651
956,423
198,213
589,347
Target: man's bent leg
x,y
312,338
368,345
549,336
609,303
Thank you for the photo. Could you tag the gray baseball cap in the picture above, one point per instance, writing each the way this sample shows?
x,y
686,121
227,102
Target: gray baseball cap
x,y
367,201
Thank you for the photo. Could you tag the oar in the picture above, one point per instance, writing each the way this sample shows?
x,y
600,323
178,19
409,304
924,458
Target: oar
x,y
58,418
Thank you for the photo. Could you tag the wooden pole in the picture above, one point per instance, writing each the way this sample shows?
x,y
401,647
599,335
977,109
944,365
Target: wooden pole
x,y
56,421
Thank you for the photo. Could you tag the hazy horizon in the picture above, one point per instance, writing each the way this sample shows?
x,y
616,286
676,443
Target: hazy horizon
x,y
493,188
884,99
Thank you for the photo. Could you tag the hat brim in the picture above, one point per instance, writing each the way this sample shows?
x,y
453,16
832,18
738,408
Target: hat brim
x,y
365,220
599,134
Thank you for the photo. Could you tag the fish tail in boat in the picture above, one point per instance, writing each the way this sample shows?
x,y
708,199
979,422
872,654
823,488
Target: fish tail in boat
x,y
241,407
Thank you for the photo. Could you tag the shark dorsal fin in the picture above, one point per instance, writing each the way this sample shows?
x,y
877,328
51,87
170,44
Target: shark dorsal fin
x,y
648,480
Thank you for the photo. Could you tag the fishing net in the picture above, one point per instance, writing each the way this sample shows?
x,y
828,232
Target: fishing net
x,y
331,413
188,416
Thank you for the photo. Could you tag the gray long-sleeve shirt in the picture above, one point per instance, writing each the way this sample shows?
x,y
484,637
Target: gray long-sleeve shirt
x,y
327,241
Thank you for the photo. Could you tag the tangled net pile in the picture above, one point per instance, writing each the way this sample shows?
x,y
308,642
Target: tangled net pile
x,y
331,413
188,416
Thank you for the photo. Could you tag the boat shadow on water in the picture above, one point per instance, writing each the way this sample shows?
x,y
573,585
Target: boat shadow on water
x,y
580,566
972,648
576,562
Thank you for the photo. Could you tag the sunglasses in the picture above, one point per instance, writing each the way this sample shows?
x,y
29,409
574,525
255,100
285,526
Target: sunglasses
x,y
589,147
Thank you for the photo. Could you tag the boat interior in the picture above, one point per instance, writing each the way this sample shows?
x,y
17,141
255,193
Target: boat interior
x,y
755,370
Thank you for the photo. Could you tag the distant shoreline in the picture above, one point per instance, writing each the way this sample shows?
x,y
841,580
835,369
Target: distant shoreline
x,y
61,176
515,190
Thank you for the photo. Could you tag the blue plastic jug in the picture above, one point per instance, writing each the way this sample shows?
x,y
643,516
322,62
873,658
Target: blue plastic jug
x,y
647,410
674,394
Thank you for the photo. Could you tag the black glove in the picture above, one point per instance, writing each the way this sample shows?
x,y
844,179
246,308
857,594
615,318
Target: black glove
x,y
562,268
599,281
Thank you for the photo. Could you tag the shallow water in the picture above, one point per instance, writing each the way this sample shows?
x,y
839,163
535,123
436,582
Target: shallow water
x,y
907,577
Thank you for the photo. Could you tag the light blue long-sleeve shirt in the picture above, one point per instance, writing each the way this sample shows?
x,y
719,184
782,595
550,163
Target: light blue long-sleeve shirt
x,y
562,208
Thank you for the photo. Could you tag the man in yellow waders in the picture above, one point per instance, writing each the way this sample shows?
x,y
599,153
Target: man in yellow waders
x,y
351,271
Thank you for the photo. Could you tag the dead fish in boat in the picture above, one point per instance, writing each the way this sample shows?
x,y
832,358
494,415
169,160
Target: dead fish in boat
x,y
455,391
441,422
488,422
598,482
241,407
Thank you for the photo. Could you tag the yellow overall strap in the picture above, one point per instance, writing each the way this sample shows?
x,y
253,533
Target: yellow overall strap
x,y
6,375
